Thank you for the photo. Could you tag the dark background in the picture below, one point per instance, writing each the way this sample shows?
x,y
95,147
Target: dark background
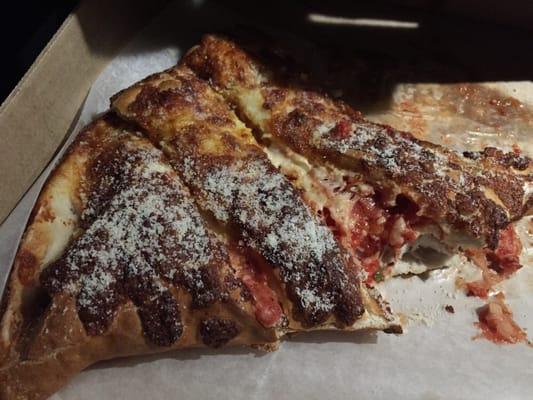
x,y
28,25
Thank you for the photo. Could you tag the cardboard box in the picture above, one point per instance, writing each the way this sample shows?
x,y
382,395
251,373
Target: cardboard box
x,y
37,115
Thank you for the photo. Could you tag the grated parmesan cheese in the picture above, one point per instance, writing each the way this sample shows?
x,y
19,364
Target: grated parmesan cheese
x,y
275,222
142,229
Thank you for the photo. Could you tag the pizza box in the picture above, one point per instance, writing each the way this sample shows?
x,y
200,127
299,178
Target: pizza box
x,y
104,46
37,115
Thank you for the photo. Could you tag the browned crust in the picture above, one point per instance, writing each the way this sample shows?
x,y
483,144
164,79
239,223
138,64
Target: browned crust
x,y
475,195
122,168
44,352
216,332
39,237
62,348
206,142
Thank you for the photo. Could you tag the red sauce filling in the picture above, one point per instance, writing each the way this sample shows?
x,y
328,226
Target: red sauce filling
x,y
254,275
479,288
506,258
371,228
495,265
374,228
368,225
372,268
496,322
489,278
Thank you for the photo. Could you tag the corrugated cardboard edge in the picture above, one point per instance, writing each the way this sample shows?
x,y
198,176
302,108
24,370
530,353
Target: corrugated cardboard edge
x,y
36,116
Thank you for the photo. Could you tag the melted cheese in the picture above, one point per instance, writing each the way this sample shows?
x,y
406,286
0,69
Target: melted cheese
x,y
317,182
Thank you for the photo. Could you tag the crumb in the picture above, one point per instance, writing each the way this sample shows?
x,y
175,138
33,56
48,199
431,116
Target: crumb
x,y
496,322
449,308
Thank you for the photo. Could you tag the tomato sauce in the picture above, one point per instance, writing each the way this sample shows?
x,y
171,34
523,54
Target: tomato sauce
x,y
495,265
506,258
342,130
374,228
254,275
496,322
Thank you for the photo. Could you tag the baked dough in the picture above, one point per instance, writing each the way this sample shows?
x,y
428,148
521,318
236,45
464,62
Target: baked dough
x,y
122,263
131,251
468,196
232,179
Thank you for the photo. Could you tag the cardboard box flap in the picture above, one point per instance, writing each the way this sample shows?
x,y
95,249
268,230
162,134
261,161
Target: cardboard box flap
x,y
36,116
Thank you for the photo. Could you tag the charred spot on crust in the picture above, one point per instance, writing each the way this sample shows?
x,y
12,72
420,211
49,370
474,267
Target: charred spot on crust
x,y
508,189
142,234
509,159
97,311
55,276
203,284
500,221
158,310
231,282
161,320
349,306
217,332
246,294
464,204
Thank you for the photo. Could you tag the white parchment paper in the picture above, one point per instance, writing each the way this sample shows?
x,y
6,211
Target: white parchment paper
x,y
436,358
